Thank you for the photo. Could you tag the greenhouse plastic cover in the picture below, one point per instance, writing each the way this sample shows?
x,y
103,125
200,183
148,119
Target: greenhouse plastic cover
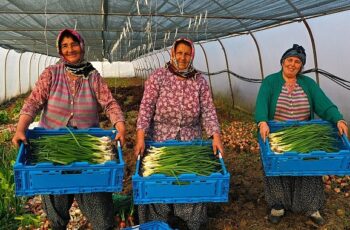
x,y
123,29
237,43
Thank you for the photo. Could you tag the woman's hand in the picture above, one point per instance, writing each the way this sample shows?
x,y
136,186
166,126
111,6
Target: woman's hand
x,y
18,138
140,142
342,127
120,126
217,145
264,130
22,126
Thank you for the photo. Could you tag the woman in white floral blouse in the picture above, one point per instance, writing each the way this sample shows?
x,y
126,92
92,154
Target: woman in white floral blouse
x,y
176,105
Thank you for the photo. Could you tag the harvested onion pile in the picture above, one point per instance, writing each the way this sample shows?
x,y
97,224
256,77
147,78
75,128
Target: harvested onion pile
x,y
240,136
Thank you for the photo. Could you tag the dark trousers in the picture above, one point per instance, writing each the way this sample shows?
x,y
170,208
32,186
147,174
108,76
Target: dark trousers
x,y
97,207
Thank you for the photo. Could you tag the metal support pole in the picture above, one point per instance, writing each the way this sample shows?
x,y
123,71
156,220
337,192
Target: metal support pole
x,y
206,61
30,71
165,61
19,74
5,69
46,61
38,67
313,49
310,35
228,73
157,59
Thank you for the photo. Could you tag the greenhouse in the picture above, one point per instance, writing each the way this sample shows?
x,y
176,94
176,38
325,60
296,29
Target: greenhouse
x,y
238,47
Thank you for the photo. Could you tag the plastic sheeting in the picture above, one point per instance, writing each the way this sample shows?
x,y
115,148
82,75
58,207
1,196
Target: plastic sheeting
x,y
123,29
330,36
115,69
20,71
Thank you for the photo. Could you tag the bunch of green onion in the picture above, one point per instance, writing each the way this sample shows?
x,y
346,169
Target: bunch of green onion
x,y
176,160
69,148
304,139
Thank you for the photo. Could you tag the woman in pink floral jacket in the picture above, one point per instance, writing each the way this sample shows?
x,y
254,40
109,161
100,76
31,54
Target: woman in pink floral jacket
x,y
176,105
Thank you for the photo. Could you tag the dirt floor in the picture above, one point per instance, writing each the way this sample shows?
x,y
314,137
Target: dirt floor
x,y
246,208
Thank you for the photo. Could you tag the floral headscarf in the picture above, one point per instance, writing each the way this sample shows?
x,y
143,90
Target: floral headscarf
x,y
83,67
75,34
173,65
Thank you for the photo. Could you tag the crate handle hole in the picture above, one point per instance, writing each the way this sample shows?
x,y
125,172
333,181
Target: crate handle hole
x,y
72,172
311,159
181,182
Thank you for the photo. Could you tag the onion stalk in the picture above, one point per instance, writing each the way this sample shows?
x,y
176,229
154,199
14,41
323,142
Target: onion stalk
x,y
62,149
304,139
176,160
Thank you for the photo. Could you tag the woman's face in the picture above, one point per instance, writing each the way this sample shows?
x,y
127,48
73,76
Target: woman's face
x,y
291,66
70,50
183,55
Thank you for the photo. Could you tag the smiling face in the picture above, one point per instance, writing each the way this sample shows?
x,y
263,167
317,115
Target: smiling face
x,y
291,66
183,56
71,50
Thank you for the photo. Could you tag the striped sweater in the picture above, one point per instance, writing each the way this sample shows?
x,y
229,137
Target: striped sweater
x,y
80,109
293,105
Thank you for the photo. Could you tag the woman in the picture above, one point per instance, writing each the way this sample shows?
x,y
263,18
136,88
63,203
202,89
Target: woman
x,y
288,95
68,94
176,102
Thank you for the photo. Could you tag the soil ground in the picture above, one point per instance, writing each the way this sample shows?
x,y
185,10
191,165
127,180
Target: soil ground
x,y
246,208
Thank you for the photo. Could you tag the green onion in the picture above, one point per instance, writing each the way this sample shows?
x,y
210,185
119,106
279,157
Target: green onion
x,y
304,139
63,149
176,160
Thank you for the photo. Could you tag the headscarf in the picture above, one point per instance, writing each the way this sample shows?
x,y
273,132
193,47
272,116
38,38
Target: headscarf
x,y
172,65
295,51
82,67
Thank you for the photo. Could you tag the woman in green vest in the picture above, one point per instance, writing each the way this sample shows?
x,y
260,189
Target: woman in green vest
x,y
288,95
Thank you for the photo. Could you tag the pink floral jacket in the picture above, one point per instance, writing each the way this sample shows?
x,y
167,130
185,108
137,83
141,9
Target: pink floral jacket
x,y
176,109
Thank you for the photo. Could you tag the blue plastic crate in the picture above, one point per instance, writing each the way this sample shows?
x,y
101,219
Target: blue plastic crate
x,y
316,163
159,188
78,177
154,225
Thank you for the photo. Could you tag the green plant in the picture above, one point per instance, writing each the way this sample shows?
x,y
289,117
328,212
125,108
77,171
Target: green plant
x,y
4,117
16,109
29,220
5,136
10,205
37,118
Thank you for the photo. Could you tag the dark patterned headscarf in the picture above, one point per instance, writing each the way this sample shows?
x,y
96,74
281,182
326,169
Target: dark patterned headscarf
x,y
173,65
82,67
295,51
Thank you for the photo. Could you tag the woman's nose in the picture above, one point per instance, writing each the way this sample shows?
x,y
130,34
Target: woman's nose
x,y
292,63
